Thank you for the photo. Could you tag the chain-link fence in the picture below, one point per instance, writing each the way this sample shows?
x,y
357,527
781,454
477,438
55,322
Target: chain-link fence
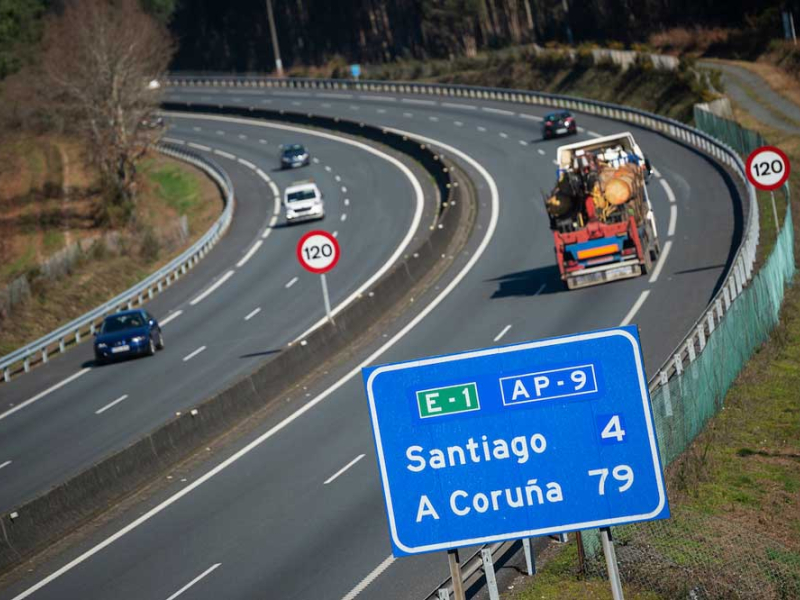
x,y
711,556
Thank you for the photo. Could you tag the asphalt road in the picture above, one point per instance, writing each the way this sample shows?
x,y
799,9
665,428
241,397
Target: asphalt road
x,y
280,516
265,301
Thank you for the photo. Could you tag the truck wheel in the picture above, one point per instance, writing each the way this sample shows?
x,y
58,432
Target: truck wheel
x,y
647,267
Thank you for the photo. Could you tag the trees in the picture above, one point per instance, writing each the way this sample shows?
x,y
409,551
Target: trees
x,y
99,56
19,29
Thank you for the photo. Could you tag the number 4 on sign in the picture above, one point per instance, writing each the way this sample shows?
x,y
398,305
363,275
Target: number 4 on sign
x,y
613,430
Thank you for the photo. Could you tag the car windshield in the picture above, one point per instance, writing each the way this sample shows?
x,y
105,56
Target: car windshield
x,y
294,151
301,195
122,322
557,116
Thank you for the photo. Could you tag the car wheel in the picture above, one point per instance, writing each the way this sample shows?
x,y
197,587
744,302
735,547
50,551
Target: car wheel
x,y
151,347
160,344
99,361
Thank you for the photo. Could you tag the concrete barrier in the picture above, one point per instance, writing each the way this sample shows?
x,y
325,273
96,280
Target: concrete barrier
x,y
38,523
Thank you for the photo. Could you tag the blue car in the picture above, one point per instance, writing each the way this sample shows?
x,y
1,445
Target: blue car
x,y
294,155
127,333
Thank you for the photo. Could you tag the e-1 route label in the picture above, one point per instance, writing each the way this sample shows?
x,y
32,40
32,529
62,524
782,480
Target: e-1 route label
x,y
503,443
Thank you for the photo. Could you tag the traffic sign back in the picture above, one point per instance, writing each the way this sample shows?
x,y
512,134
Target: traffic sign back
x,y
503,443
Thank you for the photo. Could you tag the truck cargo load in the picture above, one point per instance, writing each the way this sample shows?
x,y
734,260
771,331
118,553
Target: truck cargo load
x,y
600,214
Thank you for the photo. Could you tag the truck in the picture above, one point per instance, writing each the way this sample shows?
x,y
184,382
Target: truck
x,y
600,213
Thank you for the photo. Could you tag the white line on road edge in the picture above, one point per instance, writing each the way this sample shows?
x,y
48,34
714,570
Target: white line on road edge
x,y
5,464
498,111
490,229
171,317
246,163
369,578
415,101
252,313
291,283
456,105
199,146
593,134
193,354
249,254
502,333
195,580
379,98
173,140
668,190
673,219
334,96
110,404
343,469
632,312
531,117
49,390
213,287
224,154
661,260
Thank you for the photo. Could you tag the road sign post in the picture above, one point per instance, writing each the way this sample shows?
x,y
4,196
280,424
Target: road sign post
x,y
768,168
532,439
318,252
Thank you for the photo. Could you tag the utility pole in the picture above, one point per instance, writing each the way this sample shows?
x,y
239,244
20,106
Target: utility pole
x,y
274,35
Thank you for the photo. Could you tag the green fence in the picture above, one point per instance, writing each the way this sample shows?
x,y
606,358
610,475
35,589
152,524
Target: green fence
x,y
706,556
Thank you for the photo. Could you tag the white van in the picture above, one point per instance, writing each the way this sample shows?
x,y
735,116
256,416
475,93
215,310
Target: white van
x,y
302,201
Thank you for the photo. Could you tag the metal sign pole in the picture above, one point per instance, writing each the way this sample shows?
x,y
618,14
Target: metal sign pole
x,y
611,564
455,575
775,214
488,570
530,560
325,297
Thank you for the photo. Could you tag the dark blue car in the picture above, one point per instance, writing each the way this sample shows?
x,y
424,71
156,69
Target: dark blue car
x,y
127,333
294,155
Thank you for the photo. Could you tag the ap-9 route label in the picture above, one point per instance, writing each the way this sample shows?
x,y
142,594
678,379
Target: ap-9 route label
x,y
548,385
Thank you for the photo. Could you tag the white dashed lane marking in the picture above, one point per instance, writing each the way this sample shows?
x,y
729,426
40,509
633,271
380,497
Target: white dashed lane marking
x,y
252,313
502,333
193,354
111,404
291,283
343,469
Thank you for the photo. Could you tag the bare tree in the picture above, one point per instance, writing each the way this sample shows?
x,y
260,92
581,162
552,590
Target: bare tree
x,y
99,59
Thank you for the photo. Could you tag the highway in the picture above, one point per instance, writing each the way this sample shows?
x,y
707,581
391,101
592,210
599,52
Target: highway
x,y
263,301
294,509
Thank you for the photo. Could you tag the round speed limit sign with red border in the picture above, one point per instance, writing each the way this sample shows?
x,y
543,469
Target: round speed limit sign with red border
x,y
318,251
768,168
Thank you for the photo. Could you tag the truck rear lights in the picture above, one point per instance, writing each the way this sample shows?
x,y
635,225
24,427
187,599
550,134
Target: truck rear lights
x,y
598,251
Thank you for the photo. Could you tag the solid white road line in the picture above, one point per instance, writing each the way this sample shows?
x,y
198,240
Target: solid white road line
x,y
637,305
291,283
5,464
249,254
498,111
368,579
379,98
224,154
456,105
334,96
252,314
668,190
194,581
110,404
293,94
191,355
199,146
343,469
661,260
171,317
502,333
213,287
247,163
41,395
487,238
415,101
673,219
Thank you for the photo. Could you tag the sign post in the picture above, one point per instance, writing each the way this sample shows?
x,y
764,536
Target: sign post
x,y
532,439
318,252
768,169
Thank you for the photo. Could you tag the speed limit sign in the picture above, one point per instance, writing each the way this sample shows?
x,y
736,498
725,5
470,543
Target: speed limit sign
x,y
318,251
768,168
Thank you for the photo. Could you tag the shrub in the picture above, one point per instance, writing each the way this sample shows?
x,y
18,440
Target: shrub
x,y
150,246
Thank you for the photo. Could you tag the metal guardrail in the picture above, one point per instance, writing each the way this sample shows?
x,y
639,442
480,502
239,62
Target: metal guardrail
x,y
741,269
56,341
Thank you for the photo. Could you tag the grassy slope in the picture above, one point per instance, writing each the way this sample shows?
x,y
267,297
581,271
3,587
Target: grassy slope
x,y
168,189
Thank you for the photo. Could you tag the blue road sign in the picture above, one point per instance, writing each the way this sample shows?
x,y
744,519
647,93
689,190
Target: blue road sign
x,y
531,439
355,71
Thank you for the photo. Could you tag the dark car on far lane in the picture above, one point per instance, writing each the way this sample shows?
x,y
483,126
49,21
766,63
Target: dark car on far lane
x,y
559,123
294,155
127,333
